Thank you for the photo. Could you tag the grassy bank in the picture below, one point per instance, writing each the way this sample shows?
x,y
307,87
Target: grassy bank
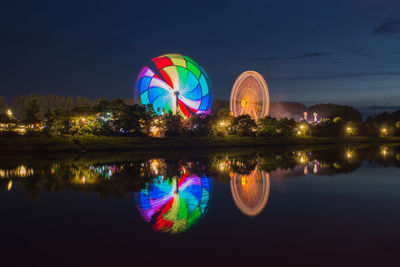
x,y
94,143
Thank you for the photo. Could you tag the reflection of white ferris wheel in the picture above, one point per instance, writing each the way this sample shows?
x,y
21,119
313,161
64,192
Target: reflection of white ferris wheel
x,y
250,192
250,95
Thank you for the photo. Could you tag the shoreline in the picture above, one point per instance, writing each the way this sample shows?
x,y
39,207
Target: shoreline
x,y
131,144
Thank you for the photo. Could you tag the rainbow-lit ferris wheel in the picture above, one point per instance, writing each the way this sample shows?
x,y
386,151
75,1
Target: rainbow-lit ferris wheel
x,y
176,84
250,95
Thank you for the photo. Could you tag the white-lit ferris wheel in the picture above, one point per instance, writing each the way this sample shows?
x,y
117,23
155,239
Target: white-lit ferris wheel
x,y
250,95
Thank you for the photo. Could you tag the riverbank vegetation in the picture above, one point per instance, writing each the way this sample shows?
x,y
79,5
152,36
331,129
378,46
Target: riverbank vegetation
x,y
83,121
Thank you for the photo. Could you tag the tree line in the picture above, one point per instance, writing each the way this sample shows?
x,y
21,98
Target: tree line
x,y
120,117
52,101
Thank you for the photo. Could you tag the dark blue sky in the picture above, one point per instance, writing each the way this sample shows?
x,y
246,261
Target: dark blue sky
x,y
341,51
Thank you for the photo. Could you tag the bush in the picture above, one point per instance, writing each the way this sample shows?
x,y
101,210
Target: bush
x,y
286,127
174,125
198,125
244,125
327,129
268,126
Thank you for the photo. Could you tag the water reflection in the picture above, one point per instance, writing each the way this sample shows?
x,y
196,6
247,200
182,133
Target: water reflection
x,y
250,191
173,205
20,171
173,192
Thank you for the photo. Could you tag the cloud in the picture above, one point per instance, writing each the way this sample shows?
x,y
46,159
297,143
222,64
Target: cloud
x,y
388,27
360,52
317,54
338,75
302,56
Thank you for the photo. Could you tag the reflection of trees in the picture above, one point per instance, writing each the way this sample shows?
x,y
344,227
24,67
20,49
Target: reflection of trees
x,y
274,160
93,174
342,160
385,155
106,179
83,178
243,164
289,163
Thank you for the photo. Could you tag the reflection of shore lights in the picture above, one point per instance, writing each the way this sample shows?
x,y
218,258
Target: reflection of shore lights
x,y
221,166
20,171
154,166
385,151
9,185
315,170
105,170
350,154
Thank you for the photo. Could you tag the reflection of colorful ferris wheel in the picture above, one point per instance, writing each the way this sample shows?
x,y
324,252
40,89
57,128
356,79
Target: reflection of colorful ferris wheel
x,y
174,205
250,192
250,95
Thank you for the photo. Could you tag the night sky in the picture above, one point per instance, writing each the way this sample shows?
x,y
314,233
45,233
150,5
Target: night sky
x,y
341,51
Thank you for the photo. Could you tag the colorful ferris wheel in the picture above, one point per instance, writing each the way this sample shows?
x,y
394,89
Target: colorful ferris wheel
x,y
176,84
250,95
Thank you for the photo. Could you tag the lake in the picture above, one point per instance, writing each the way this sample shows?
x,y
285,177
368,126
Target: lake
x,y
278,206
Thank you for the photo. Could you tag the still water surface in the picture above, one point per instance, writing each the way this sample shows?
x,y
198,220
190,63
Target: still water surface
x,y
295,206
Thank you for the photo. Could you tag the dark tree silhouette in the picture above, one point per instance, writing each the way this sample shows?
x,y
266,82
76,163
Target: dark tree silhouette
x,y
31,113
